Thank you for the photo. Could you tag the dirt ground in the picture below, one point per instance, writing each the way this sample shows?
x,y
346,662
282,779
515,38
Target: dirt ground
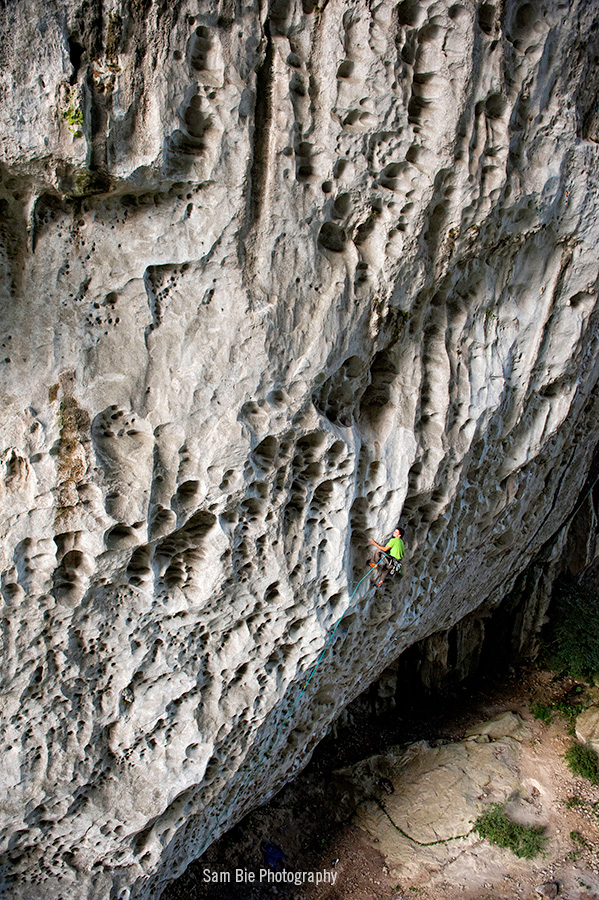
x,y
311,821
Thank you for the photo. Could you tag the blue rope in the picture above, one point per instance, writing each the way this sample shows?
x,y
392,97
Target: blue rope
x,y
324,650
316,664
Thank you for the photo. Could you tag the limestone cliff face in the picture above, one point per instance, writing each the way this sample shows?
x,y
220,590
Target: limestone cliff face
x,y
272,278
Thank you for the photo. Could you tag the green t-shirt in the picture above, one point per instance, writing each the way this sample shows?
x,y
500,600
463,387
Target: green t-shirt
x,y
396,548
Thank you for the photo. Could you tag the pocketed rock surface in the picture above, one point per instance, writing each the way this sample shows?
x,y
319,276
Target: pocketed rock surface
x,y
271,277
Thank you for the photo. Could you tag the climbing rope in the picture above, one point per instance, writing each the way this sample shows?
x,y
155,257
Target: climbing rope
x,y
309,679
325,648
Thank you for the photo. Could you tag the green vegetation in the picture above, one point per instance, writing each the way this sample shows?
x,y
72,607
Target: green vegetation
x,y
73,116
590,806
90,182
578,838
546,712
525,841
573,639
582,760
568,711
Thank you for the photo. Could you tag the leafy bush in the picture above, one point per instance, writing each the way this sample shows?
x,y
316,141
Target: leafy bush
x,y
582,760
569,711
526,841
573,639
544,712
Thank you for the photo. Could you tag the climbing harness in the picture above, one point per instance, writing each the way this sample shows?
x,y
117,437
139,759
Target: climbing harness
x,y
393,564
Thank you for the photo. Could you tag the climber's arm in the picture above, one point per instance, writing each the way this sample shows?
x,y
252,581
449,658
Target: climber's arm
x,y
380,546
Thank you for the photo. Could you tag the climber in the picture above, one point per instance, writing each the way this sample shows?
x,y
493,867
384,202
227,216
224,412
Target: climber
x,y
390,556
